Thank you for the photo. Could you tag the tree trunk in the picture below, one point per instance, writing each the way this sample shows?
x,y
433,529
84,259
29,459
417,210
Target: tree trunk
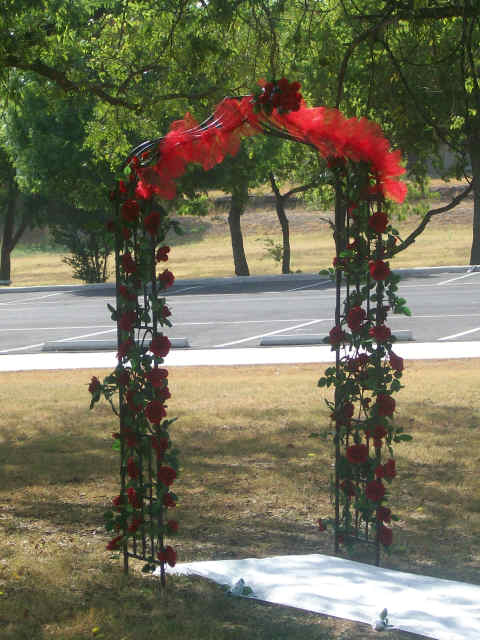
x,y
474,149
8,240
237,207
282,218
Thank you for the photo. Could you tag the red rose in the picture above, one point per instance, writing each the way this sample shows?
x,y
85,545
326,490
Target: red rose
x,y
384,514
160,346
162,254
380,333
356,317
378,432
137,520
348,410
127,320
357,453
118,501
134,498
151,222
165,312
172,526
126,293
362,359
114,544
130,210
131,438
374,490
379,472
166,475
168,501
396,362
378,222
166,279
132,468
163,394
168,555
132,402
386,535
385,405
94,386
160,445
321,525
379,270
123,377
124,348
155,411
156,377
348,487
128,263
337,336
389,469
110,226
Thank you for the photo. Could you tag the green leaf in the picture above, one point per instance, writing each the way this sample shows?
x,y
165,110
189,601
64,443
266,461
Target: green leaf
x,y
148,568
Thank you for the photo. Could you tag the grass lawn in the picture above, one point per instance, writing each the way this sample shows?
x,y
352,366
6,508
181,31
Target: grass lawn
x,y
205,249
253,484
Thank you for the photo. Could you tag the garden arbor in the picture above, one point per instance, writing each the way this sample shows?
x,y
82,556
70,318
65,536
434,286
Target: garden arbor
x,y
364,173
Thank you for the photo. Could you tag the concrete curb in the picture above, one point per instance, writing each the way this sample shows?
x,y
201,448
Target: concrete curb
x,y
402,335
229,280
99,345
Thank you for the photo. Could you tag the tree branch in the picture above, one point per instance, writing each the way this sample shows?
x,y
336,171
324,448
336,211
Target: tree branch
x,y
383,21
301,189
60,78
426,13
415,101
428,216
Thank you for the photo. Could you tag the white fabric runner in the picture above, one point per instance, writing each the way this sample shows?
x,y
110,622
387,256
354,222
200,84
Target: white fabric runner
x,y
434,608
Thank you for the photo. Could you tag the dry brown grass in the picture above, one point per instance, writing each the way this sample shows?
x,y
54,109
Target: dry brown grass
x,y
253,484
205,250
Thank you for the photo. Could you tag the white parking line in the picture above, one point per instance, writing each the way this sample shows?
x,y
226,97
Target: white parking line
x,y
195,286
49,295
457,335
305,286
270,333
87,335
214,322
29,346
466,275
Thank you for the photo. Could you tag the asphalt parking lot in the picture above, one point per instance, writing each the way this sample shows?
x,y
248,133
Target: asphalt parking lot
x,y
239,312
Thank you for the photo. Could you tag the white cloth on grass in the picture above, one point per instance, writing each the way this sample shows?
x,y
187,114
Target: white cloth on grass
x,y
434,608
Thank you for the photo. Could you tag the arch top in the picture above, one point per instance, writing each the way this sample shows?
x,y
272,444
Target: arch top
x,y
277,109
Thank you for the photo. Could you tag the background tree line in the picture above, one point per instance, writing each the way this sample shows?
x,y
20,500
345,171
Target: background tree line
x,y
82,82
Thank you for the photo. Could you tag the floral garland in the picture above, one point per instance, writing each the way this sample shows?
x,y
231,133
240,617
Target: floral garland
x,y
140,514
367,372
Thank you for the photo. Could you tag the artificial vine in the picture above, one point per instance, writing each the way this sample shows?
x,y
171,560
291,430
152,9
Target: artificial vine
x,y
138,389
367,372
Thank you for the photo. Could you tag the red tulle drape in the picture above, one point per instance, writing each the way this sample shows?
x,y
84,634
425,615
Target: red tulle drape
x,y
328,130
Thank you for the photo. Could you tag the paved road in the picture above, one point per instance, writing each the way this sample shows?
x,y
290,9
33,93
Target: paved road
x,y
237,313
